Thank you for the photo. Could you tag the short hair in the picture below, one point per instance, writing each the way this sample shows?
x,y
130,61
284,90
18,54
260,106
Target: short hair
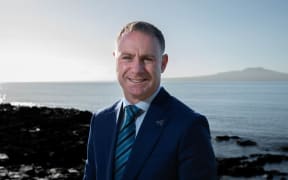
x,y
146,28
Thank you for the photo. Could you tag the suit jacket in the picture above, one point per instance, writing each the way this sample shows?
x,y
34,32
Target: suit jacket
x,y
173,143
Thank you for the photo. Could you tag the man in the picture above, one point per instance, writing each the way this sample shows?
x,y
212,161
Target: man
x,y
148,135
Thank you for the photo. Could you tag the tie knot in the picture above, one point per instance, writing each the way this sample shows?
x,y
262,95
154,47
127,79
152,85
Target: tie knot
x,y
133,111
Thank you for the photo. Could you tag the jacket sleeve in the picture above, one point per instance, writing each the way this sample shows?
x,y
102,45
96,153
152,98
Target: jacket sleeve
x,y
196,156
90,166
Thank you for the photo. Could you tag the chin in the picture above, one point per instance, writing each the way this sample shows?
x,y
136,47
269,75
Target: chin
x,y
138,94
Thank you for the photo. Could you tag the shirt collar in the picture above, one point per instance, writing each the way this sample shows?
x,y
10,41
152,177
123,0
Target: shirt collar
x,y
144,105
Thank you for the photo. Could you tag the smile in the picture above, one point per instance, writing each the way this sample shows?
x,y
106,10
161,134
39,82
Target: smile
x,y
136,80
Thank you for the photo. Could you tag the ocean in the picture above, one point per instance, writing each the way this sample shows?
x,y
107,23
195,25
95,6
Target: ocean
x,y
252,110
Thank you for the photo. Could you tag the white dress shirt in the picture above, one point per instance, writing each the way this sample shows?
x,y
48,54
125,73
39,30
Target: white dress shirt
x,y
144,105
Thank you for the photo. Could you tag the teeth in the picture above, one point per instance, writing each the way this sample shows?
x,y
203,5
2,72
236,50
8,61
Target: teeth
x,y
136,80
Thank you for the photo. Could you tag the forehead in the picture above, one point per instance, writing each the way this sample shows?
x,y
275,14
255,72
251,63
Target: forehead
x,y
137,40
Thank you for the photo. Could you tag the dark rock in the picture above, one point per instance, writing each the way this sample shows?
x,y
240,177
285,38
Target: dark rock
x,y
284,148
35,139
235,137
226,138
222,138
242,142
269,158
250,166
239,141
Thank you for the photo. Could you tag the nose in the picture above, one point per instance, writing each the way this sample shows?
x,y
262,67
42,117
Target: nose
x,y
138,65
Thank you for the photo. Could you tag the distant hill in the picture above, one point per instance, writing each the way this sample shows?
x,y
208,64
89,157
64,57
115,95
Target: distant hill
x,y
248,74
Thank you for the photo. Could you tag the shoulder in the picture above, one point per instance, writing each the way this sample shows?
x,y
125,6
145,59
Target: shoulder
x,y
106,111
187,123
178,108
173,105
181,114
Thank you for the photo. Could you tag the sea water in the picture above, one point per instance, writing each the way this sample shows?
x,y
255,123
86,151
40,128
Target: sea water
x,y
253,110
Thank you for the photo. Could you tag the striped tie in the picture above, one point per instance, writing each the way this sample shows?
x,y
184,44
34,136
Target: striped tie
x,y
125,140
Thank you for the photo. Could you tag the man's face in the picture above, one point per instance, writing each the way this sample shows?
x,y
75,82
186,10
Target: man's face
x,y
139,65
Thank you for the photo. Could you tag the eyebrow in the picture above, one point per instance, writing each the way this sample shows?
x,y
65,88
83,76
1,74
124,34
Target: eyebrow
x,y
125,54
142,56
148,56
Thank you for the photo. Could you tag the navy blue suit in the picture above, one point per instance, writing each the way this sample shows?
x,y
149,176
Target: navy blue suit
x,y
173,143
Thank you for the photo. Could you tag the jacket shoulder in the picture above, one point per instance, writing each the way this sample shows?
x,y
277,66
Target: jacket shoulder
x,y
175,107
106,110
179,111
181,107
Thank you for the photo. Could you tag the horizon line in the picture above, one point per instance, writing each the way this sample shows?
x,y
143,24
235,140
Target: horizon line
x,y
115,80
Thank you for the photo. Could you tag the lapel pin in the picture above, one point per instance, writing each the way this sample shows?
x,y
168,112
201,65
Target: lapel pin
x,y
160,123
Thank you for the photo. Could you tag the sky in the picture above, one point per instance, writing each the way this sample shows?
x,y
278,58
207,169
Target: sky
x,y
73,40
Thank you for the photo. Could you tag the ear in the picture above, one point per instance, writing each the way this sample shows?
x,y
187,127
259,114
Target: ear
x,y
164,62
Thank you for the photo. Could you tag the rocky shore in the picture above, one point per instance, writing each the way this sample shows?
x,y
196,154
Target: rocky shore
x,y
41,142
50,143
253,165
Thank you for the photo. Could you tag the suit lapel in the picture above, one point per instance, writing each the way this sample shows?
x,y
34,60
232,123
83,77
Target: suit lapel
x,y
148,135
113,116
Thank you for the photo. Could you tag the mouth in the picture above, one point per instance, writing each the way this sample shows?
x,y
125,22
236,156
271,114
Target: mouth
x,y
137,80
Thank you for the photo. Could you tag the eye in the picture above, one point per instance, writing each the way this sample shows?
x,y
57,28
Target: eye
x,y
148,60
126,57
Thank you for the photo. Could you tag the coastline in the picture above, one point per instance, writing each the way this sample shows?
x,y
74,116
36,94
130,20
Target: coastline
x,y
50,143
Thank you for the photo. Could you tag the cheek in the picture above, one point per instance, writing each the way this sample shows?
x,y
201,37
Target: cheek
x,y
157,69
120,67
